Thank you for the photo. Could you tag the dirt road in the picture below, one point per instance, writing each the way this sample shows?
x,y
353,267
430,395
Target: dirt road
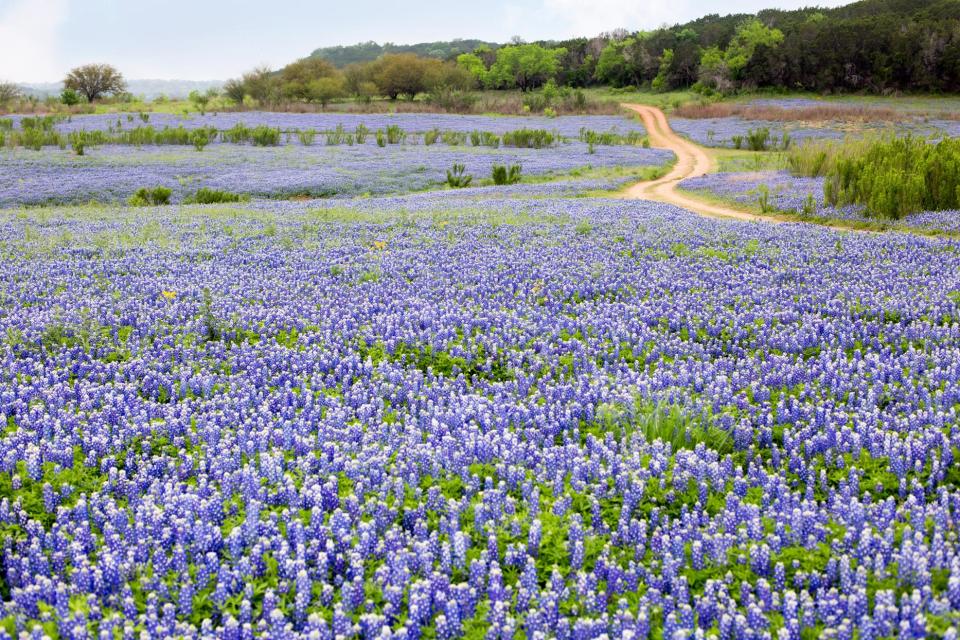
x,y
692,161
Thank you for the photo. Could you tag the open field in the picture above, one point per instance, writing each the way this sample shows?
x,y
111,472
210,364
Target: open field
x,y
410,410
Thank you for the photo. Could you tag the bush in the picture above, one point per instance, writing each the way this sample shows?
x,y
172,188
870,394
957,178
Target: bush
x,y
506,175
145,197
894,177
431,137
70,97
530,138
236,134
199,139
361,133
264,136
306,137
212,196
485,139
395,135
457,177
758,139
454,138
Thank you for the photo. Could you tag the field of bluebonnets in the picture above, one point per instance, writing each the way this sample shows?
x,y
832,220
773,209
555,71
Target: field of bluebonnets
x,y
496,411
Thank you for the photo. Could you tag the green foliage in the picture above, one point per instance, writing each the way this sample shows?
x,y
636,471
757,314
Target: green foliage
x,y
666,61
612,138
361,133
199,139
70,97
524,66
431,137
758,139
457,177
306,137
264,136
214,196
530,138
484,139
155,196
503,175
893,177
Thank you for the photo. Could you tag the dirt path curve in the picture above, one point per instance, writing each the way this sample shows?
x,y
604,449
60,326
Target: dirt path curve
x,y
692,162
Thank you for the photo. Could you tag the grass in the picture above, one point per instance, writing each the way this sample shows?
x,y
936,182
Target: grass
x,y
736,160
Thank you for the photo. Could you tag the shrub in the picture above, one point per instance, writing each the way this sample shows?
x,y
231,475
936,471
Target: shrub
x,y
213,196
431,137
484,138
264,136
457,177
506,175
758,139
395,135
361,133
381,138
236,134
199,139
306,137
70,97
894,177
530,138
145,197
78,142
454,138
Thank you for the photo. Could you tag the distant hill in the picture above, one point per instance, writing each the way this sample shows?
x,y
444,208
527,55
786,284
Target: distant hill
x,y
149,89
341,56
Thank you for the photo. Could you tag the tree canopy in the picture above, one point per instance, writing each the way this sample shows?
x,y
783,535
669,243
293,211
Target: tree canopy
x,y
95,81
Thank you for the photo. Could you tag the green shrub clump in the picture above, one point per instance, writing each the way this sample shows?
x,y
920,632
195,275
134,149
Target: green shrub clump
x,y
895,177
458,178
530,138
214,196
144,197
506,175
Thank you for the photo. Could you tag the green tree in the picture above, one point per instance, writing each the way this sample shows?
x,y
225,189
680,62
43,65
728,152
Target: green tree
x,y
750,35
95,80
297,78
660,82
326,90
524,66
403,74
474,65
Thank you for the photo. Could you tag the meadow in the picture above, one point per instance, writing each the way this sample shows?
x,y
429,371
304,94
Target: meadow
x,y
422,406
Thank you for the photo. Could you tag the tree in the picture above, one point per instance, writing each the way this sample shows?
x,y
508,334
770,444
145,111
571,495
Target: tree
x,y
524,66
297,77
749,36
474,65
95,80
325,90
402,74
201,99
9,92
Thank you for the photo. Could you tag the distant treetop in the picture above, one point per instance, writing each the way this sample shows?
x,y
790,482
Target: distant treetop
x,y
370,51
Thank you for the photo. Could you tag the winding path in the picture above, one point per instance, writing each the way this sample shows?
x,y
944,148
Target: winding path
x,y
692,162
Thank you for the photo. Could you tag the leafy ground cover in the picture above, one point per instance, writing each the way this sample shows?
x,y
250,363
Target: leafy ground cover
x,y
443,415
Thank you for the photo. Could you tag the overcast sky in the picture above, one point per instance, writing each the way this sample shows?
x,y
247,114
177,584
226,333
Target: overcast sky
x,y
217,39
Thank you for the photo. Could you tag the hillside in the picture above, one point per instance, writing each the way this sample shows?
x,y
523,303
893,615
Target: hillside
x,y
341,56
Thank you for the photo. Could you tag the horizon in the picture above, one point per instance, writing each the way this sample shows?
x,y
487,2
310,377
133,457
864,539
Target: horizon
x,y
41,40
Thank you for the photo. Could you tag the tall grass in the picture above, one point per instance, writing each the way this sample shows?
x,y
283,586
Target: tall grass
x,y
890,177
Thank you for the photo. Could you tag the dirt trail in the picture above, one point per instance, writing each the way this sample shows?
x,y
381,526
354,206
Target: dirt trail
x,y
692,161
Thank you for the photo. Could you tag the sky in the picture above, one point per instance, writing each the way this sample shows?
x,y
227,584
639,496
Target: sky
x,y
40,40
